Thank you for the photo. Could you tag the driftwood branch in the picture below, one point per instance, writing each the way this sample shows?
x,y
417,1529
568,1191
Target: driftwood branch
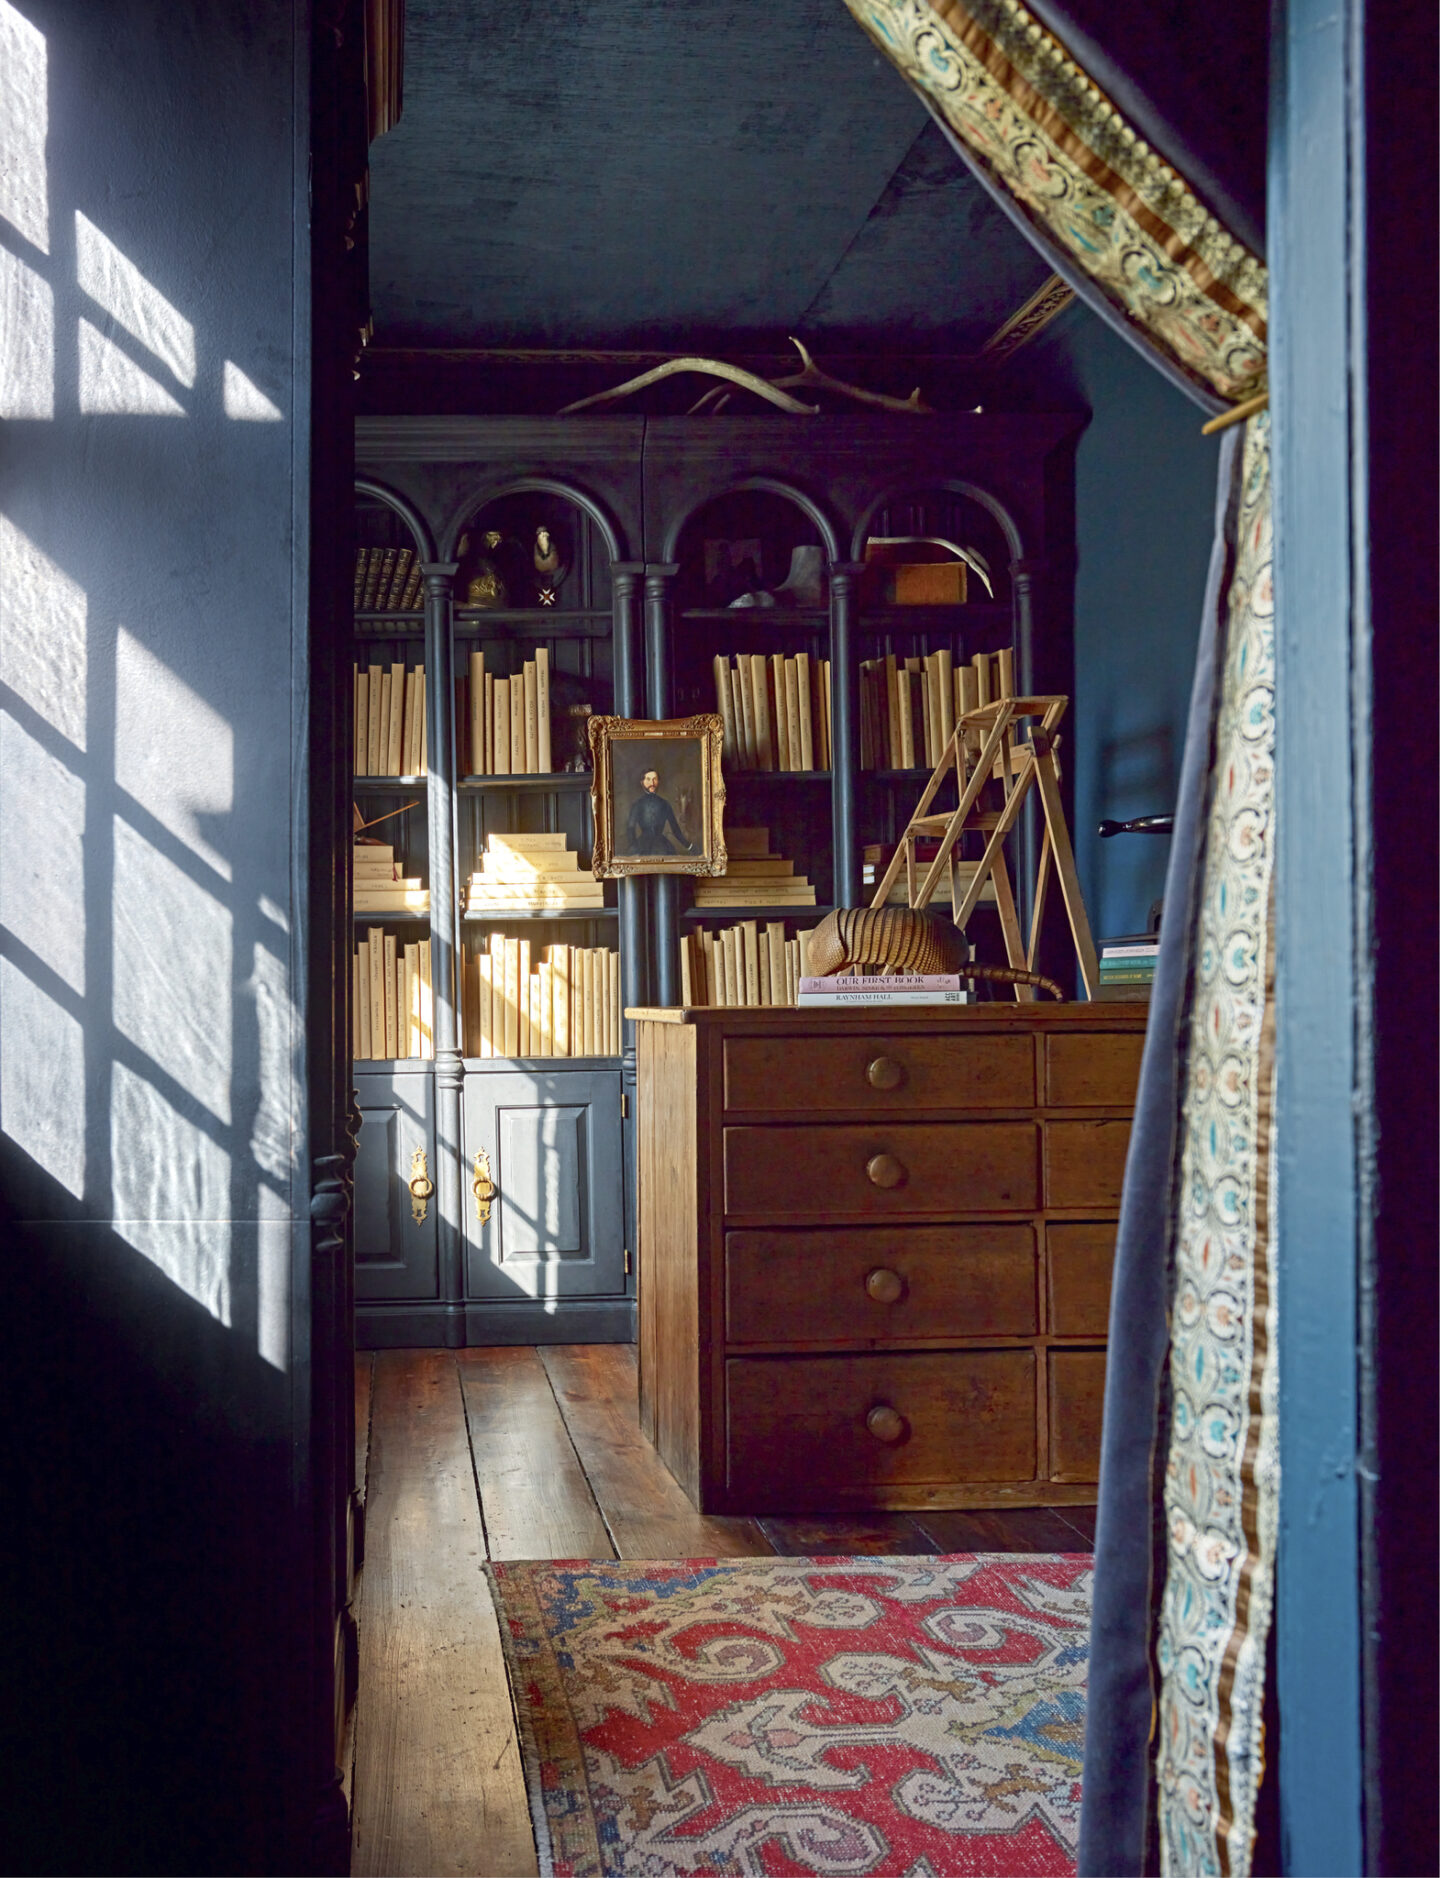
x,y
713,368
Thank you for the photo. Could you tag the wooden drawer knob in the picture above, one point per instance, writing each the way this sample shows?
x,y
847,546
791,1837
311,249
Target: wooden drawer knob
x,y
885,1073
885,1423
883,1170
886,1287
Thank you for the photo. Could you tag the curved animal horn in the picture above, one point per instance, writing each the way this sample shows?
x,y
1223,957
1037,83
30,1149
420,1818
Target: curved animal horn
x,y
714,368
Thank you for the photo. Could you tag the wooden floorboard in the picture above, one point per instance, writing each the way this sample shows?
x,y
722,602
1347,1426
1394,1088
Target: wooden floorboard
x,y
867,1535
645,1508
364,1371
534,1495
438,1782
1012,1529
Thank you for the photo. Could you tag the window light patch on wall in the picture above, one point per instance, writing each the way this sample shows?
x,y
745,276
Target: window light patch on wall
x,y
245,400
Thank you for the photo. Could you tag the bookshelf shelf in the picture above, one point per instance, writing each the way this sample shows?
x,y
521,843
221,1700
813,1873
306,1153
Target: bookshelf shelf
x,y
541,622
390,919
700,914
387,785
505,917
559,781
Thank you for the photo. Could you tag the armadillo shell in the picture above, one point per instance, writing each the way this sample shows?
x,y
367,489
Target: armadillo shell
x,y
872,938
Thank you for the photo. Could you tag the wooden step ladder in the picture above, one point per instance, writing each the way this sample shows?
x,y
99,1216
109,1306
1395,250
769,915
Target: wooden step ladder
x,y
991,734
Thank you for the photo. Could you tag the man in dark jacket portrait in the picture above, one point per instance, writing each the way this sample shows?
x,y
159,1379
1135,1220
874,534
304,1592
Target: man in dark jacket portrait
x,y
651,822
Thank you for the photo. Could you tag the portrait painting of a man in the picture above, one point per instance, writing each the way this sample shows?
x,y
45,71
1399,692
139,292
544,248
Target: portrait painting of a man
x,y
658,796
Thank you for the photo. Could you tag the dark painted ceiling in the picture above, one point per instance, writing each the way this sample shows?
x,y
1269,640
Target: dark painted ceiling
x,y
623,173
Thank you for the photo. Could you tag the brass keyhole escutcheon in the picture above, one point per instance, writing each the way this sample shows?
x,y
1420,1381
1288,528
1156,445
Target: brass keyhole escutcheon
x,y
885,1286
883,1170
885,1073
885,1423
484,1187
422,1187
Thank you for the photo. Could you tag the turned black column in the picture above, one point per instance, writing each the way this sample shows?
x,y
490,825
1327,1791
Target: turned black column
x,y
660,693
444,942
625,577
844,730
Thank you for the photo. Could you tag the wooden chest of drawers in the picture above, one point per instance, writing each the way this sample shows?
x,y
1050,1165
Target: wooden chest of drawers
x,y
875,1251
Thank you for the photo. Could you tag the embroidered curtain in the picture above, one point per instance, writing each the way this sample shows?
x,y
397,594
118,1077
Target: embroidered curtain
x,y
1189,1487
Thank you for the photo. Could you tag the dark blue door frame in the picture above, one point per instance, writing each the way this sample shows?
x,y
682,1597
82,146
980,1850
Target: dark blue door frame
x,y
1351,214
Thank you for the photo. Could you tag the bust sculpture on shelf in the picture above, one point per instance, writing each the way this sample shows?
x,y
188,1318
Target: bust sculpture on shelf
x,y
571,709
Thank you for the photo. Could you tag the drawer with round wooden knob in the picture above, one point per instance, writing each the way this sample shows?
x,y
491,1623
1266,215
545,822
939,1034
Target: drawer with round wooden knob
x,y
840,1170
878,1073
826,1432
880,1285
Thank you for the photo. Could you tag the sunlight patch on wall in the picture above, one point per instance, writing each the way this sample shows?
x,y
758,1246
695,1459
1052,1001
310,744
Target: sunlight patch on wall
x,y
42,1079
116,284
27,340
174,753
112,385
282,1099
24,124
244,398
172,970
42,634
170,1191
42,859
272,1280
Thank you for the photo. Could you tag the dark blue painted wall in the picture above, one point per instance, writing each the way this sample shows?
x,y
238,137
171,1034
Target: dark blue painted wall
x,y
154,500
1144,504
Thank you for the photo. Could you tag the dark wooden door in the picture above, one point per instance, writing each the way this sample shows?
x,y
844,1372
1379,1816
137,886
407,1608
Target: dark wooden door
x,y
556,1225
395,1253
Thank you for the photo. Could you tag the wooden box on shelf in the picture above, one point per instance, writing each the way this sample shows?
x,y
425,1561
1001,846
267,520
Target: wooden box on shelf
x,y
875,1251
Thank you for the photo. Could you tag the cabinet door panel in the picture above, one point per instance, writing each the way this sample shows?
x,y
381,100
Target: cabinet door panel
x,y
395,1255
556,1225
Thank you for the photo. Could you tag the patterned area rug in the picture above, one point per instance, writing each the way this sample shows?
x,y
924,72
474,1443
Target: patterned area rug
x,y
901,1717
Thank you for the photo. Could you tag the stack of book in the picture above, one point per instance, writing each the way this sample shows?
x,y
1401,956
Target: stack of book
x,y
875,858
566,1003
909,706
503,724
387,580
900,988
379,887
530,874
390,721
742,964
753,875
775,711
392,1002
1127,965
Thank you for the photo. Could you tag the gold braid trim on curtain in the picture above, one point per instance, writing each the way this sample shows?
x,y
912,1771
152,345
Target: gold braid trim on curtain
x,y
1047,134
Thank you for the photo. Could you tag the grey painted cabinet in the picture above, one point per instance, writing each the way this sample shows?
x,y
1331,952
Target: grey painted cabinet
x,y
550,1140
396,1254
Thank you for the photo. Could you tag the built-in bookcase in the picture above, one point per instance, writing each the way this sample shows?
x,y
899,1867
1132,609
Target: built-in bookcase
x,y
517,1224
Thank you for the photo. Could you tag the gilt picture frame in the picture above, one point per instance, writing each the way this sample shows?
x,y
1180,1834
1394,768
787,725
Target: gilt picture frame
x,y
658,796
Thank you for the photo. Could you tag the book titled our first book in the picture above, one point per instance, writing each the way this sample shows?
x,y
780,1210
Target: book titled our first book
x,y
901,988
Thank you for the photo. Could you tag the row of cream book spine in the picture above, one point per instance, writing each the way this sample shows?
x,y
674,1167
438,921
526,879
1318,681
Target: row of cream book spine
x,y
742,964
390,735
567,1003
387,580
775,710
393,1003
505,722
909,706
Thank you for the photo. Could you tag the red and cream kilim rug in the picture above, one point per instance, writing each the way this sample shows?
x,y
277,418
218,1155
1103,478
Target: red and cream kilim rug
x,y
901,1717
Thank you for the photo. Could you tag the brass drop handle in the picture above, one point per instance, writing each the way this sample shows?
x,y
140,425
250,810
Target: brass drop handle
x,y
885,1423
422,1187
885,1073
886,1287
883,1170
484,1187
